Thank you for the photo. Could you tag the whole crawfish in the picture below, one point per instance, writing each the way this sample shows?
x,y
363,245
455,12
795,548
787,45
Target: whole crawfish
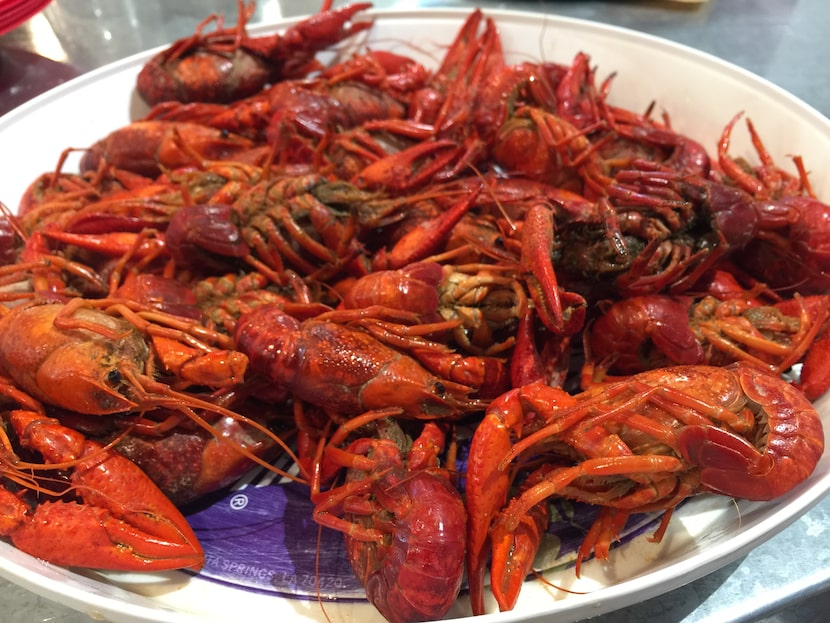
x,y
651,331
281,226
486,298
144,368
790,251
300,117
639,445
150,147
345,370
228,64
111,376
403,520
768,223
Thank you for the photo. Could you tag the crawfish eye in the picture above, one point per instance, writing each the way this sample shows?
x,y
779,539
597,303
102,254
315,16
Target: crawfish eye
x,y
113,377
439,388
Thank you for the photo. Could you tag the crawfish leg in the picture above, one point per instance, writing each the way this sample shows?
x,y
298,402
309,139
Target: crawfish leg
x,y
509,531
815,374
607,527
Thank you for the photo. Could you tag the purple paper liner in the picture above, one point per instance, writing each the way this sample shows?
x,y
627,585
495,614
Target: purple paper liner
x,y
263,538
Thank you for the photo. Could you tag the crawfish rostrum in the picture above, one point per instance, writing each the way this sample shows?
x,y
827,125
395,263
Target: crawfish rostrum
x,y
368,257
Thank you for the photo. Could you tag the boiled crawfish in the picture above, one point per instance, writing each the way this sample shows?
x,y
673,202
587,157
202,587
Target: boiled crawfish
x,y
345,370
228,64
486,298
775,236
643,444
107,514
126,359
402,517
150,147
651,331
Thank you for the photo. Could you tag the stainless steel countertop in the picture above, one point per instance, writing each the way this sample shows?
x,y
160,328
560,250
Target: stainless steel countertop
x,y
785,579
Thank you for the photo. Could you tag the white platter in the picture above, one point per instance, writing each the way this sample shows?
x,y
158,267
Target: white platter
x,y
702,93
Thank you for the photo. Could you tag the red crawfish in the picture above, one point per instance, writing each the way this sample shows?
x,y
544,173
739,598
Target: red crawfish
x,y
343,369
228,64
110,357
298,117
188,462
403,519
149,147
770,216
56,193
486,298
646,332
107,514
280,227
643,444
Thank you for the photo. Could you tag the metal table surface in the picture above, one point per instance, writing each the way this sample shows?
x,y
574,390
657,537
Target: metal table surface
x,y
785,579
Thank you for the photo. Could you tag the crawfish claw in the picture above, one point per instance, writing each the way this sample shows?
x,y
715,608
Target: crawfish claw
x,y
77,535
122,520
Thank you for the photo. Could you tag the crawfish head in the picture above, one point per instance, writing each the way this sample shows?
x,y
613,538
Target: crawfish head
x,y
79,368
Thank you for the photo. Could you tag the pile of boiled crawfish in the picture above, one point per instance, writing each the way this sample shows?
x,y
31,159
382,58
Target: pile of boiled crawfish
x,y
350,263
